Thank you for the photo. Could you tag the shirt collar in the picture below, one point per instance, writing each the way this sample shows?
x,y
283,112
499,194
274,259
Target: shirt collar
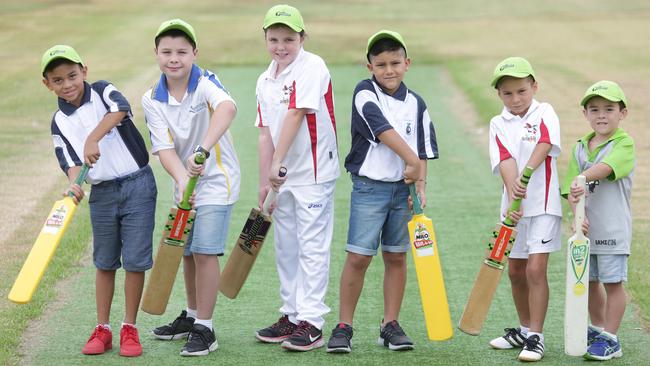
x,y
69,108
619,133
400,94
161,93
274,65
505,113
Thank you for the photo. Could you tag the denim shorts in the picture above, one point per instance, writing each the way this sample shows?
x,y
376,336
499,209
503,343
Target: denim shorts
x,y
608,268
210,230
122,213
378,212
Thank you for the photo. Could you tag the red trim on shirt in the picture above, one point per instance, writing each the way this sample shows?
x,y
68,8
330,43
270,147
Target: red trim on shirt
x,y
292,97
544,137
503,152
259,113
329,102
548,180
313,137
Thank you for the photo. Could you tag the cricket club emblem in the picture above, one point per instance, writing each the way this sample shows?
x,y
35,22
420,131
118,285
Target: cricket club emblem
x,y
409,129
287,90
530,134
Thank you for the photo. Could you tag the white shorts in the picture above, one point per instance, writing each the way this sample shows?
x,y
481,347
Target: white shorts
x,y
537,234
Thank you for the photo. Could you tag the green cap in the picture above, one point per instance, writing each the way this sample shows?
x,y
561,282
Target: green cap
x,y
59,51
284,14
606,89
383,34
517,67
178,24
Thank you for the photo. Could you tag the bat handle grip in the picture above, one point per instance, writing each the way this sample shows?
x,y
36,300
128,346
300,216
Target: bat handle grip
x,y
81,177
516,204
580,207
199,158
417,206
270,197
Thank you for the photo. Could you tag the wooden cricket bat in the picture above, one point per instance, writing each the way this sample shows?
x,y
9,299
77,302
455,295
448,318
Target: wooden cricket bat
x,y
487,281
46,243
170,251
248,246
427,266
576,314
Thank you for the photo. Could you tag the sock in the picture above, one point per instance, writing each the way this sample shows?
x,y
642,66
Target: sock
x,y
540,335
205,322
524,330
191,313
598,329
610,335
107,326
129,324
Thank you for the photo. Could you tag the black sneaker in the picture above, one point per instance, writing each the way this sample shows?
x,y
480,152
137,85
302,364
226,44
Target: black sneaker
x,y
277,332
200,342
306,338
177,329
392,336
341,339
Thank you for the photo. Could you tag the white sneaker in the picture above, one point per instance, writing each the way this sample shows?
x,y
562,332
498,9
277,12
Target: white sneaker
x,y
512,339
533,349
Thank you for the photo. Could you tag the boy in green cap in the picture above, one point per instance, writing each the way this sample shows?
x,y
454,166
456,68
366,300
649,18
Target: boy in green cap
x,y
93,126
188,111
527,133
606,158
392,139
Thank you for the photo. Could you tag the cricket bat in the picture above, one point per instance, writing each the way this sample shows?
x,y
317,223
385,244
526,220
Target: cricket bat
x,y
163,274
576,314
427,266
248,246
489,275
46,243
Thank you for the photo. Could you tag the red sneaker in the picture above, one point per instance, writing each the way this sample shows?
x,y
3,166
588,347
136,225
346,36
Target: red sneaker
x,y
99,342
130,341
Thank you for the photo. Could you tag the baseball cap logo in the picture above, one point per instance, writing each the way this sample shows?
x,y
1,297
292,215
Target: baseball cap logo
x,y
282,14
506,66
599,87
56,52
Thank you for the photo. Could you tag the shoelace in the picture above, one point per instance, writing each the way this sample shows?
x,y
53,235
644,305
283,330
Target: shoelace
x,y
513,335
393,328
533,344
130,333
342,331
303,329
282,323
196,333
98,330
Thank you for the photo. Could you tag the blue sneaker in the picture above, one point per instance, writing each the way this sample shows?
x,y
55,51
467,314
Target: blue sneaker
x,y
592,333
604,348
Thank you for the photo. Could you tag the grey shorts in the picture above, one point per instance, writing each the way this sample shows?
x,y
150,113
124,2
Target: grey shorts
x,y
210,230
122,213
608,268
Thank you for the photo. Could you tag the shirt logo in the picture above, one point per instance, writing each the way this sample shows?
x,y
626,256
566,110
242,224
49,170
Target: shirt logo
x,y
546,241
315,205
197,108
606,242
531,133
409,129
592,185
286,91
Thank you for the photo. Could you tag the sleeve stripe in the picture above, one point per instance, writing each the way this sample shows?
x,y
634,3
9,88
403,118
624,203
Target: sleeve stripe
x,y
504,154
544,137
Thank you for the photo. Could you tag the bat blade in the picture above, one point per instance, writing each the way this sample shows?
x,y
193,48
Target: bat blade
x,y
576,314
45,246
43,250
244,253
168,258
426,257
487,281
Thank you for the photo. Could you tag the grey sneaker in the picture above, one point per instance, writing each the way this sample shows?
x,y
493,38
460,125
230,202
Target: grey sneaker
x,y
392,336
177,329
200,342
341,339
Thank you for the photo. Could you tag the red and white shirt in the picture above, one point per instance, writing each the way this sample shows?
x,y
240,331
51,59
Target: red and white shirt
x,y
305,83
515,137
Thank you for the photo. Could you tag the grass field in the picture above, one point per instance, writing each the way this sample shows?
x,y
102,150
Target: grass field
x,y
571,44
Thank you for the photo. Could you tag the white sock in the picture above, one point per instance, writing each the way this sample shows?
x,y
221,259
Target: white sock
x,y
205,322
599,329
133,325
524,330
191,313
107,326
610,335
540,335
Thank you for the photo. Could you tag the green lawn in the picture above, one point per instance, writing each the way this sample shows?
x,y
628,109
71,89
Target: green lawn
x,y
463,199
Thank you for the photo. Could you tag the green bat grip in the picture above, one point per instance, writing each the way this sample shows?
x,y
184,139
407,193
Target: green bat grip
x,y
525,178
80,178
185,203
417,206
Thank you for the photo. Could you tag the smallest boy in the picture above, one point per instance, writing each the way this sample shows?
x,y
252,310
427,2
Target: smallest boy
x,y
605,156
392,138
93,126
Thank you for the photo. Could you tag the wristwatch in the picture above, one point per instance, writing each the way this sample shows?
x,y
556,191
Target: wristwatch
x,y
200,149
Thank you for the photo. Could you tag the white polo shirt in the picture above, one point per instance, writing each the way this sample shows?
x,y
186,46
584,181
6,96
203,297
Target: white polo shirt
x,y
305,83
183,125
122,149
516,137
